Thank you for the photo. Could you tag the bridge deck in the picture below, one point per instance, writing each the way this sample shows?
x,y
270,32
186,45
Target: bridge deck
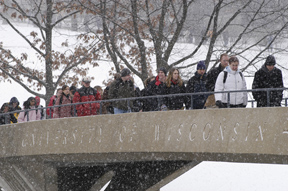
x,y
169,139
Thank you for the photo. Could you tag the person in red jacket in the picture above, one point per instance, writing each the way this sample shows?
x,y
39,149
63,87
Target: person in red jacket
x,y
86,94
52,103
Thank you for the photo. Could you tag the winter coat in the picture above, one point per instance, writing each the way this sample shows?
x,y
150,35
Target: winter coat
x,y
120,89
138,103
86,95
107,107
268,79
7,118
16,109
176,102
156,87
234,81
65,111
197,84
34,115
212,77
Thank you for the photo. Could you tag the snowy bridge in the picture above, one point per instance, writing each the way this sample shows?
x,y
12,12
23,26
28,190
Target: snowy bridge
x,y
136,151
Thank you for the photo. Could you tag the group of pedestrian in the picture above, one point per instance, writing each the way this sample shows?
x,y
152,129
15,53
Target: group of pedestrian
x,y
170,90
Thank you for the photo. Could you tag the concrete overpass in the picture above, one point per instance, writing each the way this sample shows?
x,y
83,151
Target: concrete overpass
x,y
136,151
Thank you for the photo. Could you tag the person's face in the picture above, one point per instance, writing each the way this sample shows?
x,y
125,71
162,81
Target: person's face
x,y
201,71
161,75
66,91
6,109
175,75
270,67
59,92
32,102
86,84
234,66
126,78
15,104
224,61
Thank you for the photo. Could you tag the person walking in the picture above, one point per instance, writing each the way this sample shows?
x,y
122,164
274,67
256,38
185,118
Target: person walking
x,y
86,94
65,98
122,87
197,84
228,80
175,85
268,76
212,77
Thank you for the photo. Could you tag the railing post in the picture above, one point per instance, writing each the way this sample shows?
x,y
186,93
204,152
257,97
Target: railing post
x,y
100,109
268,98
159,106
27,115
74,108
191,105
128,105
228,100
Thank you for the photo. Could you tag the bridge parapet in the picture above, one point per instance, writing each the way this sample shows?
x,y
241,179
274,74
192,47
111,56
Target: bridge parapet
x,y
257,135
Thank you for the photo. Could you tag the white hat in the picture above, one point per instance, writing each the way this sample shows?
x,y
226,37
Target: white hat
x,y
86,79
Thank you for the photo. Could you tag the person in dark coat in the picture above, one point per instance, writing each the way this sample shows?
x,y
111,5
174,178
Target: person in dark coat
x,y
197,84
122,88
14,106
211,80
157,87
146,102
107,107
268,77
65,98
6,118
175,85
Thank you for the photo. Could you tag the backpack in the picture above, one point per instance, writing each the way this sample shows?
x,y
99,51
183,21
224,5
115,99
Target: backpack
x,y
226,73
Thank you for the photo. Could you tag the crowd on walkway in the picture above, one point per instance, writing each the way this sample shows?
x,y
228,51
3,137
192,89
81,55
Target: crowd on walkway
x,y
224,77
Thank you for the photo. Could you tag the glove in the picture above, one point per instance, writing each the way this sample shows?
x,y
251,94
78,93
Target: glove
x,y
219,104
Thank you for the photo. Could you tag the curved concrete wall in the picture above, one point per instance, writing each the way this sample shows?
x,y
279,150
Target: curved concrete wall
x,y
243,135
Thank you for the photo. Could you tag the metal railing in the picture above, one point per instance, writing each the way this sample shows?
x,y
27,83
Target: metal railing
x,y
158,97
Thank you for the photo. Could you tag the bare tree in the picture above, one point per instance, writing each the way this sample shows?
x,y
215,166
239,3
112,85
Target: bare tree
x,y
58,65
140,32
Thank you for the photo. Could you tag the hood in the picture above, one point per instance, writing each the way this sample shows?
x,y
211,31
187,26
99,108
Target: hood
x,y
14,100
264,68
230,71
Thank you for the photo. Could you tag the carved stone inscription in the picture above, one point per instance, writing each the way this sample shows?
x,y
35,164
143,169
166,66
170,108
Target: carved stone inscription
x,y
128,133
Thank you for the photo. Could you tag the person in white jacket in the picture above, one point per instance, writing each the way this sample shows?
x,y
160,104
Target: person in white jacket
x,y
228,80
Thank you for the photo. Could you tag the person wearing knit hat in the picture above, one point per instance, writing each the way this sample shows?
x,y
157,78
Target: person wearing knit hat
x,y
268,76
125,72
201,65
163,70
197,84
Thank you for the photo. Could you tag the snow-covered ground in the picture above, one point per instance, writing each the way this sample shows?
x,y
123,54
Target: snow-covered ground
x,y
205,176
